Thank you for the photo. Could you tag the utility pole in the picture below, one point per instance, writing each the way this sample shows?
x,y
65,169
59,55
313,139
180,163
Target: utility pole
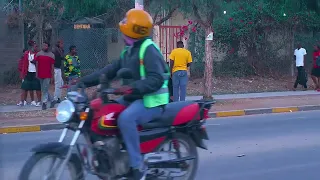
x,y
138,4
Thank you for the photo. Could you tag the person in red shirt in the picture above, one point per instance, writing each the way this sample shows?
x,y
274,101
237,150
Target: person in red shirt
x,y
315,73
27,71
45,63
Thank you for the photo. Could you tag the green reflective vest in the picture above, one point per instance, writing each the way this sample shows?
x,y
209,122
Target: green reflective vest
x,y
160,97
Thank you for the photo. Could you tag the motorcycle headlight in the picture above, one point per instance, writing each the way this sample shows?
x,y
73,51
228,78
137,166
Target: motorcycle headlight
x,y
64,111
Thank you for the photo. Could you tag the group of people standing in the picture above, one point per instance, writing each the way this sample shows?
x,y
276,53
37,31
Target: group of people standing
x,y
302,77
40,67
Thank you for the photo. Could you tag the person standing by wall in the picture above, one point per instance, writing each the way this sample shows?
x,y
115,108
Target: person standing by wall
x,y
28,74
72,65
302,79
180,61
45,67
58,81
315,73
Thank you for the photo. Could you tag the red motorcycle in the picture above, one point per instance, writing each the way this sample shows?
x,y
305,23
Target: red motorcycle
x,y
168,143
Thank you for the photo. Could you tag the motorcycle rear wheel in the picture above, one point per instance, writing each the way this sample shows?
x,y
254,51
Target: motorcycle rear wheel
x,y
75,169
184,140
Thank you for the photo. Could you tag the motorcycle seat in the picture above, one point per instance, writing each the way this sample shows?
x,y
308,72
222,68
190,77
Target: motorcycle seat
x,y
167,118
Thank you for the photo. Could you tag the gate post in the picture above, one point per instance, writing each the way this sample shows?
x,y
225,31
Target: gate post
x,y
155,35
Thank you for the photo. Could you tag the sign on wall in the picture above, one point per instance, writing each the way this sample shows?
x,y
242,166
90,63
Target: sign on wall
x,y
81,26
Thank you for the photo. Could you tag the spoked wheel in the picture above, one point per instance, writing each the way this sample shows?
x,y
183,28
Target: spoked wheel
x,y
43,166
187,148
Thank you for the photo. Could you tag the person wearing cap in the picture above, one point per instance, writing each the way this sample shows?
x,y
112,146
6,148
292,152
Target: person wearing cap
x,y
147,91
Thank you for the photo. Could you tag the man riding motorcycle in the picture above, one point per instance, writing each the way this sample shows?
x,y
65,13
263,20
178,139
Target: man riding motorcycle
x,y
149,89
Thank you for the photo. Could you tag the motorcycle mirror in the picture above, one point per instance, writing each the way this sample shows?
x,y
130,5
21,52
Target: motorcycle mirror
x,y
125,73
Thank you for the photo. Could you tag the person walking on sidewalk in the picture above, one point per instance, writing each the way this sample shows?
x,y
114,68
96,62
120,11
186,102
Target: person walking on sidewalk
x,y
30,83
315,73
58,81
302,79
72,65
180,61
45,67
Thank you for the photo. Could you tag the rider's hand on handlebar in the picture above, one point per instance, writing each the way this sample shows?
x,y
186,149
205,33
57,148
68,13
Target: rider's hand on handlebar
x,y
124,90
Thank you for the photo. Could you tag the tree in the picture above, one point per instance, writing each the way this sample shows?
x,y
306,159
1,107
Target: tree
x,y
114,10
157,7
39,17
111,11
203,12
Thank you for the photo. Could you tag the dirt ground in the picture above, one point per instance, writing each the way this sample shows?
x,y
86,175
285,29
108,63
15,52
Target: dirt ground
x,y
10,95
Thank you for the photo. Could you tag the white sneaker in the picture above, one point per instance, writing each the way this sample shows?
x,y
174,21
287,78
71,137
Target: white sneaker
x,y
22,103
38,104
33,103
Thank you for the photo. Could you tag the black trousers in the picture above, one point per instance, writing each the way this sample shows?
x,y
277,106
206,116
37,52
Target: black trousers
x,y
301,77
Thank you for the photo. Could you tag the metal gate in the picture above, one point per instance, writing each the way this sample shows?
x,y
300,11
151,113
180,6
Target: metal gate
x,y
168,39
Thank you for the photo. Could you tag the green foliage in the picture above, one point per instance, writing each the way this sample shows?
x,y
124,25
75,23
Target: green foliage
x,y
252,23
205,8
112,10
196,45
33,8
250,20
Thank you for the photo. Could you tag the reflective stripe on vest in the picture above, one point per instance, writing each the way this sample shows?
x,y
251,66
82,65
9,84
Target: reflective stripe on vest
x,y
160,97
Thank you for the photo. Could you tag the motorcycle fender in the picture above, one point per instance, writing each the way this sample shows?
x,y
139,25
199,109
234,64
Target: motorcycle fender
x,y
56,148
198,137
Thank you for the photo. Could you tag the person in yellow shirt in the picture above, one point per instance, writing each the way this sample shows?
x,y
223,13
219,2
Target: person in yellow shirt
x,y
180,61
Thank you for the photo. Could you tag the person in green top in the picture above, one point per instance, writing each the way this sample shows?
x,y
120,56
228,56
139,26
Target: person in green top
x,y
147,91
72,65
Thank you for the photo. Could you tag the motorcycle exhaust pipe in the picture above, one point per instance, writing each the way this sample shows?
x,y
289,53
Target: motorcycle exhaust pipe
x,y
175,163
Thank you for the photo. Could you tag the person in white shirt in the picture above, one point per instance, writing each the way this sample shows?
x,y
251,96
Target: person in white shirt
x,y
302,79
28,72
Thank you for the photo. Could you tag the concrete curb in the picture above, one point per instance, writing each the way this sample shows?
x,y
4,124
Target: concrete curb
x,y
56,126
263,111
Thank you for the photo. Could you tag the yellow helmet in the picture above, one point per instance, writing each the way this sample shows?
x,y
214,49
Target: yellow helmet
x,y
137,24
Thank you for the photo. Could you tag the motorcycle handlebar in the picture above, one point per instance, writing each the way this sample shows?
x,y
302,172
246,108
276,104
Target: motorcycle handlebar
x,y
112,91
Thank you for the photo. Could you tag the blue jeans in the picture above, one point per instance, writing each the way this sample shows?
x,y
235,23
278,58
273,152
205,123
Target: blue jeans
x,y
135,114
179,83
45,83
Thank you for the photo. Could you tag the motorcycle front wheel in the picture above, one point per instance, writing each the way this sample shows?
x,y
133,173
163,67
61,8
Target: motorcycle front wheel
x,y
187,148
29,171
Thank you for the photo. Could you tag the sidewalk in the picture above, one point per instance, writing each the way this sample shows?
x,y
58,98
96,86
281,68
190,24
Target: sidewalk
x,y
14,108
223,108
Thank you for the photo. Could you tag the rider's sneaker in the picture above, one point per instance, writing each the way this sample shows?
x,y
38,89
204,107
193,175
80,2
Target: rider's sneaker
x,y
38,104
22,103
33,103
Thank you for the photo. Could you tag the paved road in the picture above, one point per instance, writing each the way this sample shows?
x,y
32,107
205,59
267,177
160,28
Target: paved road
x,y
276,146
